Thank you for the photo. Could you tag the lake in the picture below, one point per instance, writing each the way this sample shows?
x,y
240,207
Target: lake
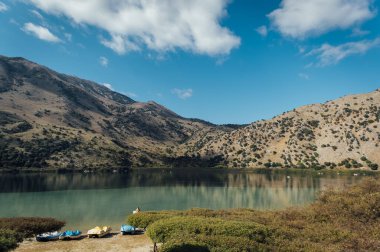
x,y
87,200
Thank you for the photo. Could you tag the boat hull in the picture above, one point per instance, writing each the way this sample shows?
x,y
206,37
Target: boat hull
x,y
98,232
66,238
98,235
47,239
127,232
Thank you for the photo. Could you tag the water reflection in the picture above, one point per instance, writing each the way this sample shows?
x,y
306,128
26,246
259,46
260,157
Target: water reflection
x,y
84,200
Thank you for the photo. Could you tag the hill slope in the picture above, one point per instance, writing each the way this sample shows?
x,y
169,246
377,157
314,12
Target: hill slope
x,y
344,133
51,119
48,119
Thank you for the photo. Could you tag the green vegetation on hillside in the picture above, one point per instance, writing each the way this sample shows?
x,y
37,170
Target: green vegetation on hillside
x,y
37,146
347,220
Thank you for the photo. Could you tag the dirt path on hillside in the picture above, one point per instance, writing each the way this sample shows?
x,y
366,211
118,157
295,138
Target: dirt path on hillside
x,y
112,243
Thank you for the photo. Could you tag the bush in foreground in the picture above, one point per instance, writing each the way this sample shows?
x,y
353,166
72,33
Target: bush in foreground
x,y
184,244
164,229
9,239
144,219
14,230
29,226
347,220
217,243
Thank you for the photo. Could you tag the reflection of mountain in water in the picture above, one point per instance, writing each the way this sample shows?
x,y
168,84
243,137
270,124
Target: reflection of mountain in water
x,y
160,177
108,198
112,205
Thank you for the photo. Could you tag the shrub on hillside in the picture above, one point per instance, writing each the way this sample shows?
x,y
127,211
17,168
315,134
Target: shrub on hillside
x,y
373,166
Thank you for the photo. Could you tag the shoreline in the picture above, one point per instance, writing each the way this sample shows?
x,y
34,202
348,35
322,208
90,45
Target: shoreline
x,y
216,169
113,243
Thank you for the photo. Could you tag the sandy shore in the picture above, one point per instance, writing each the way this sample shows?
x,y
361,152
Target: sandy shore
x,y
112,243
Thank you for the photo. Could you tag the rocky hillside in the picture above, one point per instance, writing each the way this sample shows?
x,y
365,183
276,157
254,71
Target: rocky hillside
x,y
48,119
52,120
340,133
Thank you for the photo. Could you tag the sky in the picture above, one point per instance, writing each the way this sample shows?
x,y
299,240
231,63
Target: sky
x,y
218,60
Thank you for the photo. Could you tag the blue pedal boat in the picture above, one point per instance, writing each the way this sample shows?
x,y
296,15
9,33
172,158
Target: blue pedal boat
x,y
71,235
127,229
49,236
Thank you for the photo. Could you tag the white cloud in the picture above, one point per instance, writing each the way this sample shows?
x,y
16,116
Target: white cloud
x,y
3,7
161,26
109,86
262,30
40,32
14,22
37,14
103,61
119,44
68,36
131,94
183,93
357,32
303,18
331,55
304,76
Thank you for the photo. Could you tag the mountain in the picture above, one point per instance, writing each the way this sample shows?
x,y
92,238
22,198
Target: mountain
x,y
340,133
52,120
48,119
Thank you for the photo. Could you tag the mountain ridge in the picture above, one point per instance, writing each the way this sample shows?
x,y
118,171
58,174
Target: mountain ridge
x,y
48,119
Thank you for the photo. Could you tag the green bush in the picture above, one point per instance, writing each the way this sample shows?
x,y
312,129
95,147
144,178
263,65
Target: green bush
x,y
29,226
184,244
164,229
9,239
144,219
217,243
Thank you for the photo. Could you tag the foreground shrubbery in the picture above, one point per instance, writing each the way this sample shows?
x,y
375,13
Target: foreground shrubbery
x,y
29,226
200,243
163,230
144,219
9,239
346,220
14,230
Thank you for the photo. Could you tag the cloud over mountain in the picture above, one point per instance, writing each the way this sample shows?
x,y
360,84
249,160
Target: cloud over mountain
x,y
40,32
157,25
331,55
300,19
183,93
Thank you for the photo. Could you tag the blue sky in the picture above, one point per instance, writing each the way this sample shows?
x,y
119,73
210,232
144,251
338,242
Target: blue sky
x,y
221,61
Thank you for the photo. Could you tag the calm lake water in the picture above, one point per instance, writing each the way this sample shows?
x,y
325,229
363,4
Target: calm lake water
x,y
86,200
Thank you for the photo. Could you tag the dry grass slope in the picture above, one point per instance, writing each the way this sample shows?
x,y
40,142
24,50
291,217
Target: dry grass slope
x,y
343,133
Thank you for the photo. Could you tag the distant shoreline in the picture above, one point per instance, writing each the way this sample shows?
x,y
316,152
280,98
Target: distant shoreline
x,y
217,169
